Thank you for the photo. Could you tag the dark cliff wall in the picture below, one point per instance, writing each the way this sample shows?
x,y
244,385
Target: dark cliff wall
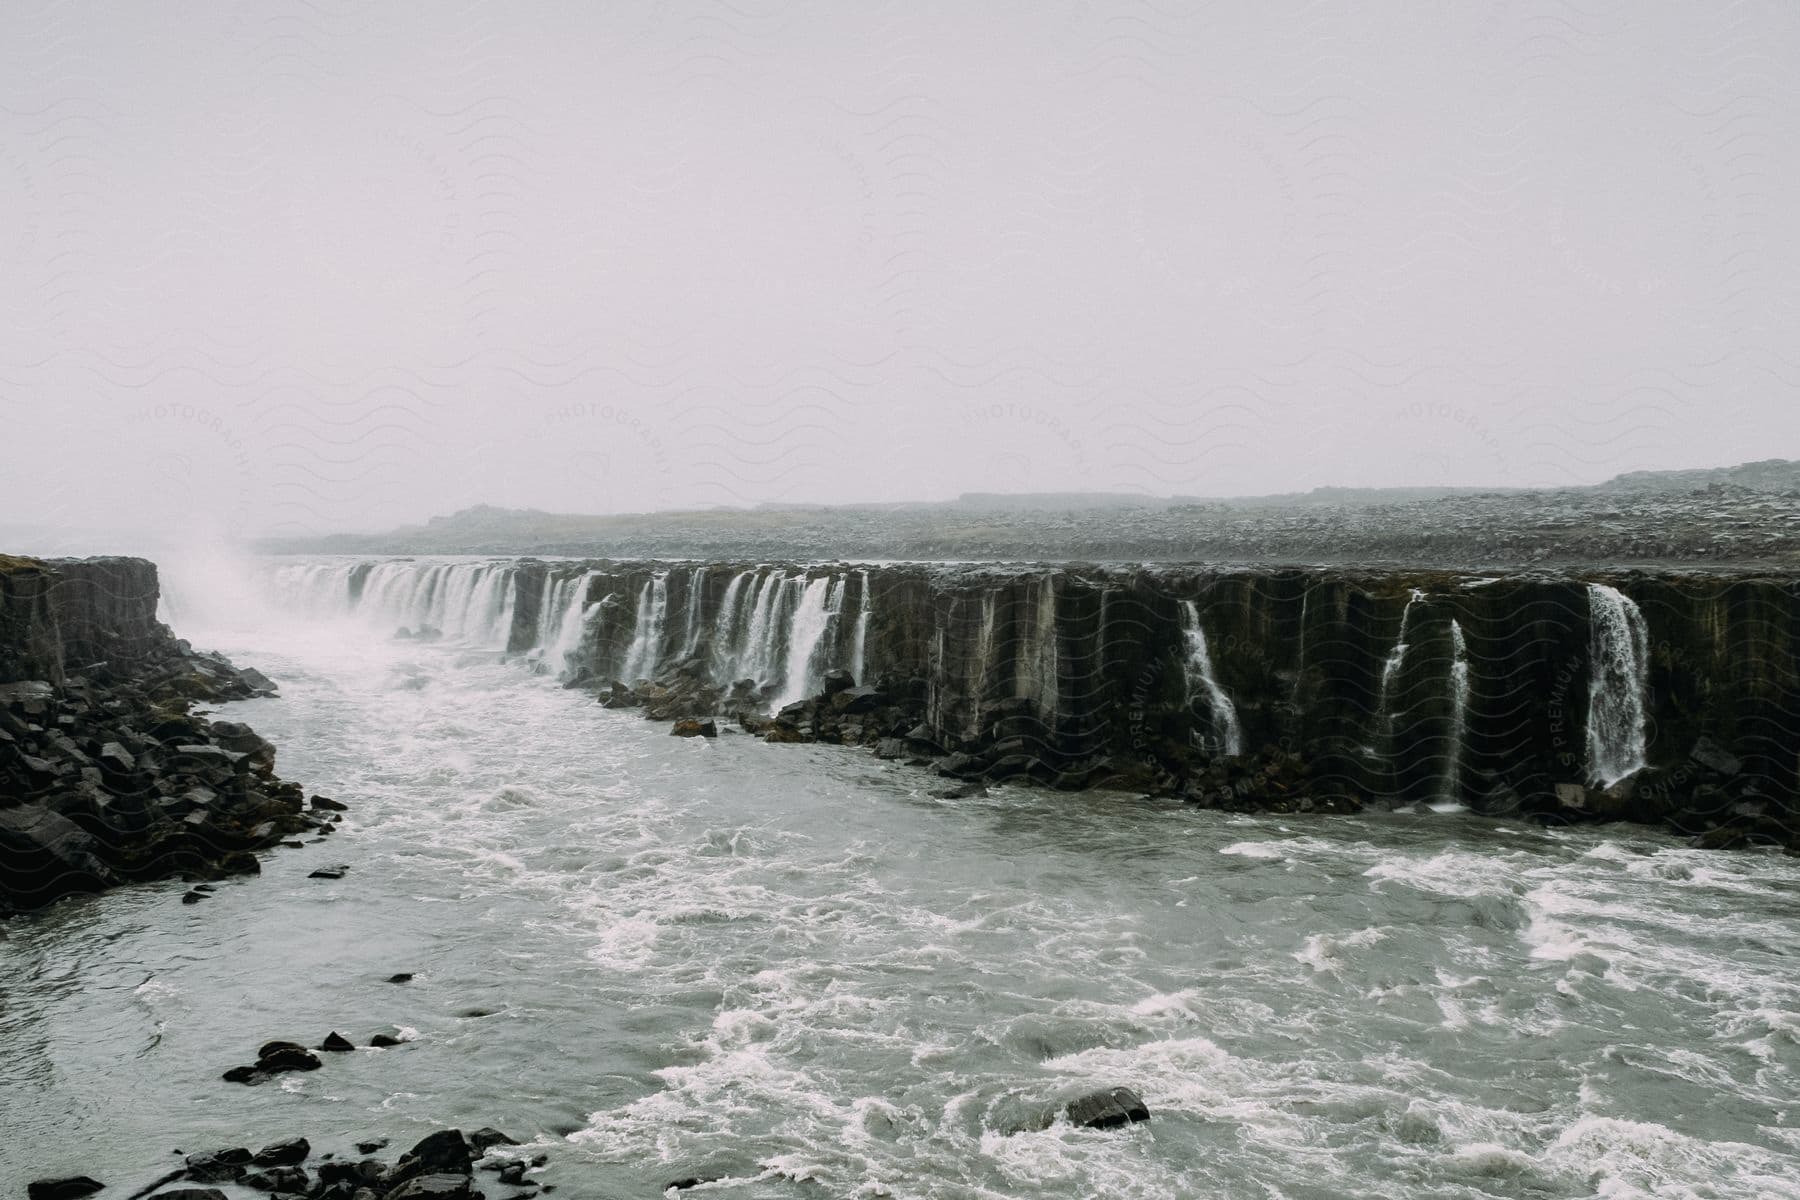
x,y
67,615
1096,664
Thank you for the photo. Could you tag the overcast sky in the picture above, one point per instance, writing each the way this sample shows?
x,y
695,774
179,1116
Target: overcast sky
x,y
294,266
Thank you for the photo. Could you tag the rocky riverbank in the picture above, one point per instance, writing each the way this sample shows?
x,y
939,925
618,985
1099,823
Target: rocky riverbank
x,y
108,774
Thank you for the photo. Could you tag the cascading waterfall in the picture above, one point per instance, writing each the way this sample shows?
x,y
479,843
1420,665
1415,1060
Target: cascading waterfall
x,y
1037,680
859,645
1459,713
470,603
572,623
726,629
1201,680
756,657
647,634
810,623
1390,670
1618,687
690,638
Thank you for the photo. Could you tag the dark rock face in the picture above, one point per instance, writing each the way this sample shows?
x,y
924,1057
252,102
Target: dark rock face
x,y
67,1188
105,775
1108,1109
1279,689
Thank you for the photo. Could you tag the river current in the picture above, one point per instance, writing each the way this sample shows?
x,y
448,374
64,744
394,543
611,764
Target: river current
x,y
792,969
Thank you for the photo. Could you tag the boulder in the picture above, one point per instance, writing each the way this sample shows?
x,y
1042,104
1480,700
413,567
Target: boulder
x,y
335,871
279,1180
220,1166
276,1057
66,1188
1715,757
693,728
190,1193
327,804
890,748
282,1154
44,855
445,1152
337,1043
838,681
1107,1109
393,1035
482,1139
434,1187
858,700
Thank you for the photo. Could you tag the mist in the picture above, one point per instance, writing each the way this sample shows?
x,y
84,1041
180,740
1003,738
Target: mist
x,y
293,268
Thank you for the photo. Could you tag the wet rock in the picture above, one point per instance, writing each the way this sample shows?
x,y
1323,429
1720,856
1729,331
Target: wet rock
x,y
434,1187
444,1153
283,1154
1107,1109
483,1139
337,1043
46,856
69,1187
247,1075
331,872
513,1173
194,897
400,977
283,1180
276,1057
220,1166
190,1193
838,681
371,1146
963,791
393,1035
1715,757
890,748
694,728
326,804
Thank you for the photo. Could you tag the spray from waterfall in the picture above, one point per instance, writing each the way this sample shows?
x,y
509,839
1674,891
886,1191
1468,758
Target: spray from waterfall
x,y
1618,687
1201,680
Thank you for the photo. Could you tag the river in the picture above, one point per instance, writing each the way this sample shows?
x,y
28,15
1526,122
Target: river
x,y
791,968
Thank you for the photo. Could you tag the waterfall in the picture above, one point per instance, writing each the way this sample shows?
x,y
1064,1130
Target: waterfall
x,y
858,646
1201,679
725,629
1037,680
469,603
757,653
1618,687
811,621
690,638
572,623
1459,713
1390,670
647,632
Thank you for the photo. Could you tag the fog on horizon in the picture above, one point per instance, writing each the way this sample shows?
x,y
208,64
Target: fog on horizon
x,y
292,267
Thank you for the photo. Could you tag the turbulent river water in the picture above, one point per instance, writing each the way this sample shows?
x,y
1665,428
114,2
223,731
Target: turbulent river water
x,y
791,968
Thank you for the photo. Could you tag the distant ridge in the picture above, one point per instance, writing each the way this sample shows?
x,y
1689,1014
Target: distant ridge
x,y
1748,513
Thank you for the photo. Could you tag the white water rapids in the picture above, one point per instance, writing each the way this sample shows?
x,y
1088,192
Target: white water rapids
x,y
790,967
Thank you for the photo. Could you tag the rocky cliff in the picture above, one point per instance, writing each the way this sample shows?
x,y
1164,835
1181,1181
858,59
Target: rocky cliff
x,y
105,774
1670,697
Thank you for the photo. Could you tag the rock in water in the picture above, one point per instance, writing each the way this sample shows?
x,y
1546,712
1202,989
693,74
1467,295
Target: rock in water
x,y
434,1187
1108,1109
192,1194
283,1154
337,1043
444,1153
693,728
67,1188
482,1139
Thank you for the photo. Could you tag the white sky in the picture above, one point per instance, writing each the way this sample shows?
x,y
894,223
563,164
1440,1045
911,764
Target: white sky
x,y
290,266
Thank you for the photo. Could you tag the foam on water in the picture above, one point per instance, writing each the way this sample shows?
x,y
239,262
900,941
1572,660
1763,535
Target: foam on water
x,y
779,966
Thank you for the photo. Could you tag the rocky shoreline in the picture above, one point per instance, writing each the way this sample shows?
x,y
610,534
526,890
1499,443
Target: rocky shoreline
x,y
108,775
